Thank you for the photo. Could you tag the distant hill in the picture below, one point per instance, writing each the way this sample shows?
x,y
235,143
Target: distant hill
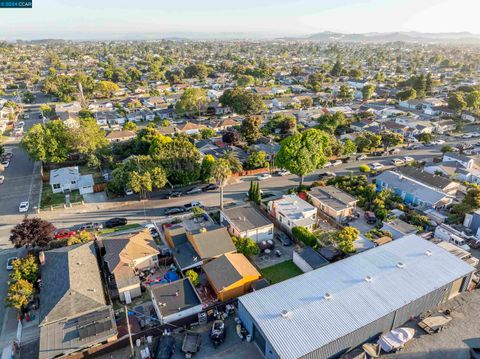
x,y
396,36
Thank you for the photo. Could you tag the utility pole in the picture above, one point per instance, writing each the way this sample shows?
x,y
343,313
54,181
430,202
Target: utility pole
x,y
129,332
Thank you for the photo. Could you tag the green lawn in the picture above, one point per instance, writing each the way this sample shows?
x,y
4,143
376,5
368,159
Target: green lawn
x,y
121,228
49,198
280,272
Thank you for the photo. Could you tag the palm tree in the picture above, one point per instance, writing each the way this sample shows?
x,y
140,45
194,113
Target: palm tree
x,y
232,159
221,172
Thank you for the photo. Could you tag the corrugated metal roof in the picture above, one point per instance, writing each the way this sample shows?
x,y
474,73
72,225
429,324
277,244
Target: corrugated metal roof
x,y
314,321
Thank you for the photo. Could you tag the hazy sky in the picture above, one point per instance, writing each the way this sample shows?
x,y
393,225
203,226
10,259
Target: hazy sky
x,y
117,18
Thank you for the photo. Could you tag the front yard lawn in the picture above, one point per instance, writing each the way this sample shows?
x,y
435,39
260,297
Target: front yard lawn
x,y
49,198
120,228
280,272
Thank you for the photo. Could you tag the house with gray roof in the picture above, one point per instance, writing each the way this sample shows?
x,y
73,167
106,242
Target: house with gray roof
x,y
68,179
247,221
442,183
412,191
333,202
74,314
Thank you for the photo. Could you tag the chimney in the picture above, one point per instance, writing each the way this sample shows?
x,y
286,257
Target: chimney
x,y
41,258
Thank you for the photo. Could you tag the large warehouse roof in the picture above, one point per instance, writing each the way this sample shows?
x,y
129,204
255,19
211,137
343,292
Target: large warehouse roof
x,y
361,289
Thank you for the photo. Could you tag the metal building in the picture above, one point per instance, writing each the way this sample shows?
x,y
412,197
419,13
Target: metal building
x,y
328,311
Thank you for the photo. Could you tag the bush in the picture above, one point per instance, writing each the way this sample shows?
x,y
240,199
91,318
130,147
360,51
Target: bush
x,y
192,275
246,246
304,235
364,168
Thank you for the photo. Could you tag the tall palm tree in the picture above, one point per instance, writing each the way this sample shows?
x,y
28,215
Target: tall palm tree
x,y
233,160
221,172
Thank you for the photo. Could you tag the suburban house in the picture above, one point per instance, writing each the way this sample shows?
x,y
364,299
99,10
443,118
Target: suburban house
x,y
73,312
398,228
464,161
292,211
120,136
412,191
230,275
190,128
224,124
125,256
68,179
345,304
457,165
175,300
333,202
105,118
441,183
308,259
247,221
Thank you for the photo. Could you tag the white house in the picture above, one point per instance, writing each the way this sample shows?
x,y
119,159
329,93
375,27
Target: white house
x,y
69,179
246,221
292,211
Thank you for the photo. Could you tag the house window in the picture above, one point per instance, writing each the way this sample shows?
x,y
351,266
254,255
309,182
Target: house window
x,y
56,186
74,182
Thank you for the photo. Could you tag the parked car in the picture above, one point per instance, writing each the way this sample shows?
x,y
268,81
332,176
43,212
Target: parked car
x,y
194,190
283,238
5,163
408,159
336,163
361,157
10,263
23,207
20,124
263,176
398,162
189,206
328,164
209,187
2,179
376,166
173,194
63,233
7,156
283,173
116,222
152,229
327,174
174,210
217,332
90,226
128,191
370,217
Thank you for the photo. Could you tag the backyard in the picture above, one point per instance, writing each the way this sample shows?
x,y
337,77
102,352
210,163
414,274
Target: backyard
x,y
280,272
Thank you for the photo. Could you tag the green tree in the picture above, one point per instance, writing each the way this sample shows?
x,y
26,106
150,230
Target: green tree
x,y
26,269
233,160
221,172
242,101
88,138
207,133
306,102
425,137
193,276
364,168
199,71
391,139
140,182
206,168
303,153
331,122
356,74
256,159
192,101
368,91
304,235
336,69
345,239
250,128
28,97
446,148
345,93
130,126
349,147
245,80
408,94
473,100
107,88
247,246
428,84
456,101
368,141
19,294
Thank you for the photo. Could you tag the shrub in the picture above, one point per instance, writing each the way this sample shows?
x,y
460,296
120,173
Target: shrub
x,y
304,235
364,168
192,275
246,246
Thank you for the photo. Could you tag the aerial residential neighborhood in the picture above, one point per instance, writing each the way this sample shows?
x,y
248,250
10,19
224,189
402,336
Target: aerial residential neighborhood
x,y
233,181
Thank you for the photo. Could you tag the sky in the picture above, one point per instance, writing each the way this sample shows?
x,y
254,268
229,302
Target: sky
x,y
116,19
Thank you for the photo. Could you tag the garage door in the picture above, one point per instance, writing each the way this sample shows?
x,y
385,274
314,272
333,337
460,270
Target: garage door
x,y
456,287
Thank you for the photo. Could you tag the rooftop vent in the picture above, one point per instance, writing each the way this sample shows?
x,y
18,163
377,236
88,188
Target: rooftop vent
x,y
401,265
285,313
368,279
327,296
428,253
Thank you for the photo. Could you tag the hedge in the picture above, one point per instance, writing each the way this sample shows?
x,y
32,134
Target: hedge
x,y
304,235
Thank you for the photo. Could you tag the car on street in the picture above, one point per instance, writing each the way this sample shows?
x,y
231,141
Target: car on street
x,y
23,207
328,164
173,194
327,175
336,163
63,233
128,191
438,142
210,187
174,210
116,222
90,226
190,205
194,190
20,124
283,238
7,156
10,263
361,157
394,150
408,159
263,176
283,173
398,162
5,163
2,179
467,136
26,116
376,166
